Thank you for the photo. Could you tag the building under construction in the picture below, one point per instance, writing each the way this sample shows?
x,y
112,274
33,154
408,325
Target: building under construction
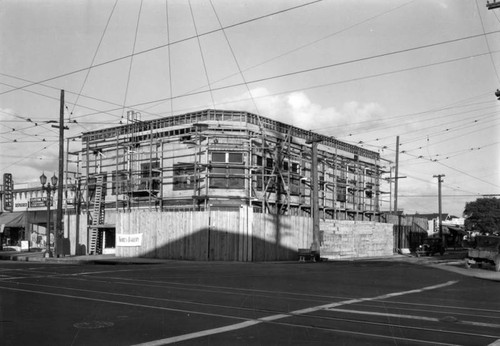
x,y
220,160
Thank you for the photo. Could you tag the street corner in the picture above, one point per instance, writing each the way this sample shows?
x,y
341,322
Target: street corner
x,y
485,272
13,254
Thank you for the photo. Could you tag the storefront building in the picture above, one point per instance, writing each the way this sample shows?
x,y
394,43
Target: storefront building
x,y
25,226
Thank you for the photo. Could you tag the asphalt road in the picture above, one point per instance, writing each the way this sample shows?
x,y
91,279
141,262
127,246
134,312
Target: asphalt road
x,y
207,303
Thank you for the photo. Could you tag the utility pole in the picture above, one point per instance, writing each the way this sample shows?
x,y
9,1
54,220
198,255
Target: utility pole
x,y
396,177
315,194
390,190
439,176
59,224
59,215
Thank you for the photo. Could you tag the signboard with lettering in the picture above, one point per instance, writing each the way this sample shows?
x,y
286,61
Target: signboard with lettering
x,y
38,202
20,205
8,189
129,239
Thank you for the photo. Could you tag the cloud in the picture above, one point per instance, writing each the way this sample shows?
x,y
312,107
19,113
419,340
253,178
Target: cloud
x,y
297,109
24,153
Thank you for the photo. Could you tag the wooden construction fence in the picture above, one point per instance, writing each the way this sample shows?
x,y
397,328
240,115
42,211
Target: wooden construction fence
x,y
241,235
409,231
217,235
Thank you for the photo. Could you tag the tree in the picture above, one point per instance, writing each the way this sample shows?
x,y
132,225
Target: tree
x,y
483,216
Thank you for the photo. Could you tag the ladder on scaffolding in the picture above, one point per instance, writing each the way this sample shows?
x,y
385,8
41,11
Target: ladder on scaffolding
x,y
97,218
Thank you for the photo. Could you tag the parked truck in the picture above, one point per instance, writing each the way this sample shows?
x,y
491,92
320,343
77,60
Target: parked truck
x,y
483,249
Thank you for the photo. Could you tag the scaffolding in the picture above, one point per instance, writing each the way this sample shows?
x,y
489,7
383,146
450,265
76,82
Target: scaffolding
x,y
222,159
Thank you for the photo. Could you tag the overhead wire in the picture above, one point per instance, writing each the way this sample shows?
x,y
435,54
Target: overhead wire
x,y
371,126
449,167
137,105
94,57
487,43
451,130
169,59
29,156
279,76
169,73
131,59
95,110
241,70
121,108
442,156
235,59
252,97
168,45
162,46
202,55
443,128
496,16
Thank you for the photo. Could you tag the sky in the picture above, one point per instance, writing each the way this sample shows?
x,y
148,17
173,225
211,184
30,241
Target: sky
x,y
365,72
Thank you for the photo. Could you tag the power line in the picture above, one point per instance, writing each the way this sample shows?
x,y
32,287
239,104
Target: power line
x,y
162,46
240,84
235,59
318,68
169,58
371,128
95,55
487,43
240,72
132,58
95,110
201,54
299,72
30,156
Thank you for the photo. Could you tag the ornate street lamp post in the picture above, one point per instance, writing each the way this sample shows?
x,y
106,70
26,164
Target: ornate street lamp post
x,y
49,188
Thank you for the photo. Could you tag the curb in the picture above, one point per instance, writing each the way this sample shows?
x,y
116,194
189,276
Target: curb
x,y
452,264
80,260
39,258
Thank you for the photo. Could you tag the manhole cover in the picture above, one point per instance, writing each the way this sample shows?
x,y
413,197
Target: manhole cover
x,y
93,325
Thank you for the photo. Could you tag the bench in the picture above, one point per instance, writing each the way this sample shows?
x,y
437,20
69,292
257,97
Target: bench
x,y
307,255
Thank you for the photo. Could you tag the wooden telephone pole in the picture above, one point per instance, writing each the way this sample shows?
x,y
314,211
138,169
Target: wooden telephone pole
x,y
315,195
59,232
439,176
396,177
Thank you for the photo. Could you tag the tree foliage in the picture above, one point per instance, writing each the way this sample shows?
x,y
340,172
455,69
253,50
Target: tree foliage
x,y
483,215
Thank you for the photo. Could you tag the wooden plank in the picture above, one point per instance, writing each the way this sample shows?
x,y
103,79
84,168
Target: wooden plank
x,y
249,235
234,235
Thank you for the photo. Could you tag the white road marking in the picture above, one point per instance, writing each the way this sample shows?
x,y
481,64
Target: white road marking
x,y
242,325
123,303
42,275
246,322
414,317
201,333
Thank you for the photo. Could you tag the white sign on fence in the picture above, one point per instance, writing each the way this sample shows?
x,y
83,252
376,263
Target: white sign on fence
x,y
129,239
25,245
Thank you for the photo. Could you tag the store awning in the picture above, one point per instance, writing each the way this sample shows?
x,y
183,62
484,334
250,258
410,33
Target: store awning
x,y
14,219
40,216
456,229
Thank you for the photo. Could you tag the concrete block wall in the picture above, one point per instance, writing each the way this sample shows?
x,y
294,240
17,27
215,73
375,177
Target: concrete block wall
x,y
343,239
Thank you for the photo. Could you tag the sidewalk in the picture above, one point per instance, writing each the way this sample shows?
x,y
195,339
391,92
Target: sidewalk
x,y
453,260
39,256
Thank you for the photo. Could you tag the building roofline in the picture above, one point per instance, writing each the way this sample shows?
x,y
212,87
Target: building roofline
x,y
271,125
